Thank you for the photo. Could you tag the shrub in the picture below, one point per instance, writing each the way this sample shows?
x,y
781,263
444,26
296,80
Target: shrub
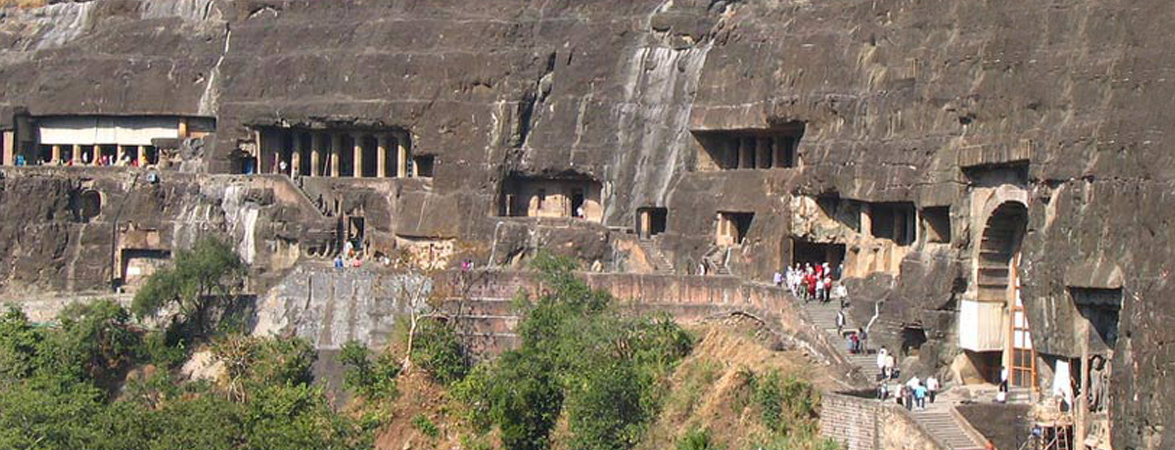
x,y
696,439
368,376
425,425
438,350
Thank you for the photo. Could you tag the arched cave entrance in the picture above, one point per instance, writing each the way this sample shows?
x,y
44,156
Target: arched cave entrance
x,y
998,282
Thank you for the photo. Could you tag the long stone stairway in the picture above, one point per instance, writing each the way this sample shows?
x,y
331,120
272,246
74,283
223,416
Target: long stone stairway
x,y
823,315
938,419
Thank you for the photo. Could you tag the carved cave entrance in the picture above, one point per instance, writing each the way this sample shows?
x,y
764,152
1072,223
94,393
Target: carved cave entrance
x,y
998,282
807,252
733,227
570,196
651,221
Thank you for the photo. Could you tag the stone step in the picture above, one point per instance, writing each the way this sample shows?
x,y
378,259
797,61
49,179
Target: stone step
x,y
500,307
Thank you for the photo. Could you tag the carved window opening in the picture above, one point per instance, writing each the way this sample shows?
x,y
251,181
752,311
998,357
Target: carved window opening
x,y
936,224
771,148
423,165
1100,308
893,221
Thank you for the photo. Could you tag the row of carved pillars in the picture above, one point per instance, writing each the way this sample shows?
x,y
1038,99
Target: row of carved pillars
x,y
140,153
324,154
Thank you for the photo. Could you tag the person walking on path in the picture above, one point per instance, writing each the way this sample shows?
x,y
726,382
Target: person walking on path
x,y
882,391
820,290
908,397
932,387
840,321
889,362
920,395
881,354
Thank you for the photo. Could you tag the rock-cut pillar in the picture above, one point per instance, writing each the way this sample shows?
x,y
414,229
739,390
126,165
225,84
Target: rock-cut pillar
x,y
315,154
358,156
296,155
402,154
381,156
336,146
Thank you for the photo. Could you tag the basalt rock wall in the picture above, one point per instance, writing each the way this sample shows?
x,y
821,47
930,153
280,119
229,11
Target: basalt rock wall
x,y
895,95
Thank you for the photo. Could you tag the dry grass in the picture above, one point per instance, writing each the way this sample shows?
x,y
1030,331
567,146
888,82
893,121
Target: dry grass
x,y
707,383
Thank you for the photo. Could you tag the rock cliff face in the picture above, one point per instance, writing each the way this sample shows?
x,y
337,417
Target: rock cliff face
x,y
1061,107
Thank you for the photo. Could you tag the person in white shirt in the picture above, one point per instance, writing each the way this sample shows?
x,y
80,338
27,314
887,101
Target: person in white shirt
x,y
932,387
881,354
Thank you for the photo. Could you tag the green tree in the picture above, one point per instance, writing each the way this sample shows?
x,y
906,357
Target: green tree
x,y
19,341
370,376
579,356
202,278
438,350
95,341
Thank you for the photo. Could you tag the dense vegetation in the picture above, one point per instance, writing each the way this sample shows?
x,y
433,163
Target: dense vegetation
x,y
586,375
91,381
579,358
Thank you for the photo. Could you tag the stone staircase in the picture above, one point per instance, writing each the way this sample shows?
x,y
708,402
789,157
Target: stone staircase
x,y
715,261
823,316
938,419
655,257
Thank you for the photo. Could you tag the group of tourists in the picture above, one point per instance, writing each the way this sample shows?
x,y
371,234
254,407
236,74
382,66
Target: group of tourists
x,y
854,339
913,394
103,160
813,282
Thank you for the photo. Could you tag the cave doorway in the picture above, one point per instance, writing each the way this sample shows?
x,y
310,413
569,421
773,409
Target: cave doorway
x,y
577,203
733,227
651,221
998,282
815,253
913,336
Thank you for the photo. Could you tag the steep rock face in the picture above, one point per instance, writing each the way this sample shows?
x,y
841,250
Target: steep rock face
x,y
895,96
